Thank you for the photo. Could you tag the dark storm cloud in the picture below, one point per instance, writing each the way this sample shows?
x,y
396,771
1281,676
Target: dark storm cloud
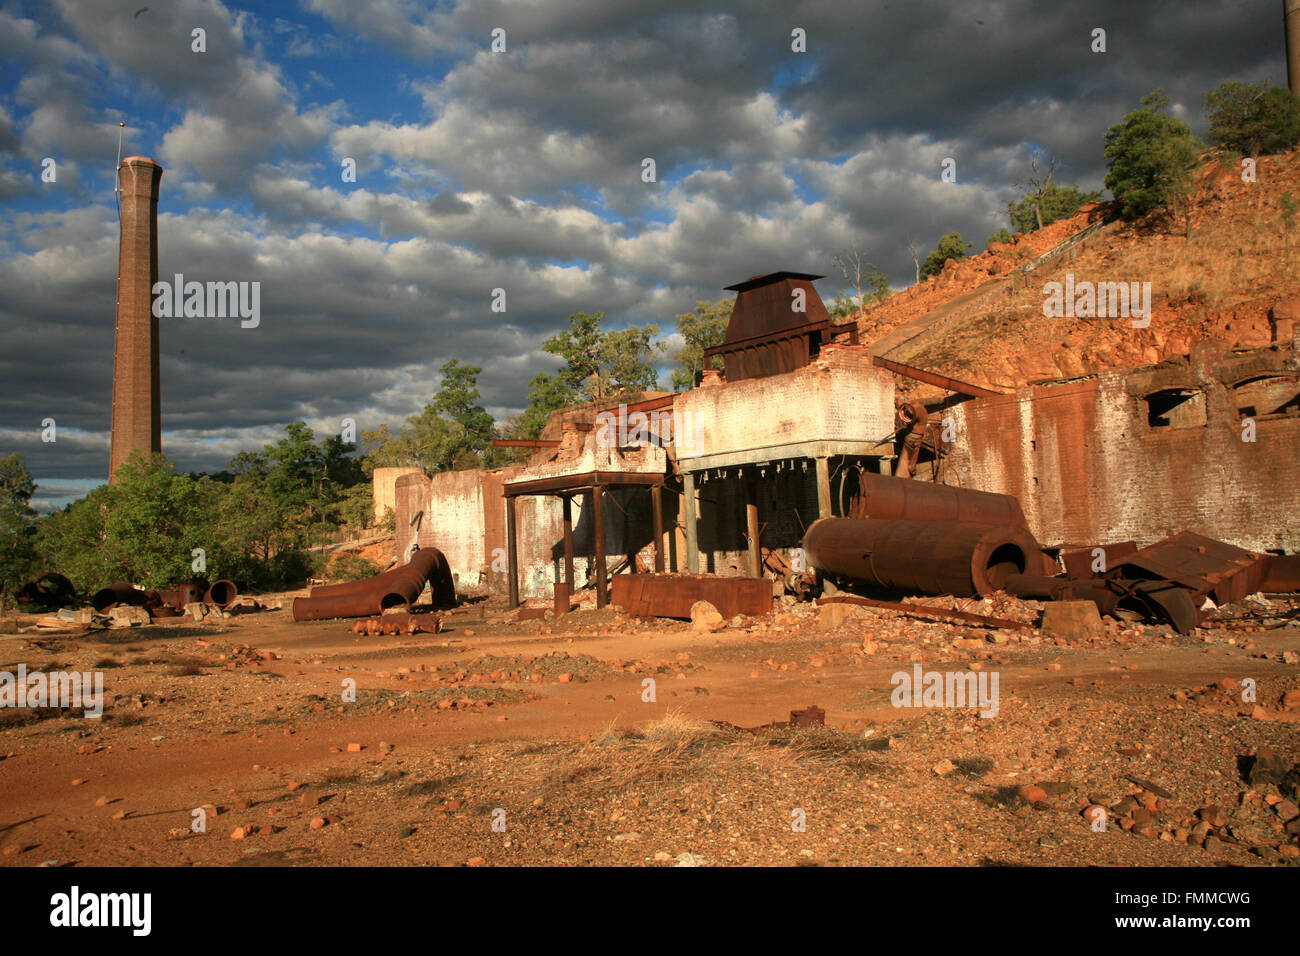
x,y
523,172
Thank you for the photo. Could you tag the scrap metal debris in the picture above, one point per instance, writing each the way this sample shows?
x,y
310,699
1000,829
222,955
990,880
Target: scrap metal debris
x,y
672,595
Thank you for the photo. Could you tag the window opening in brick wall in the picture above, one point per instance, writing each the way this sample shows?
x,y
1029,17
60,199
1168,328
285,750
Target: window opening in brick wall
x,y
1176,408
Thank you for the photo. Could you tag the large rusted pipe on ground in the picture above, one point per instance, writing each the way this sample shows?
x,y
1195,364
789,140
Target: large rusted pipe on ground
x,y
119,592
905,499
222,594
929,557
397,588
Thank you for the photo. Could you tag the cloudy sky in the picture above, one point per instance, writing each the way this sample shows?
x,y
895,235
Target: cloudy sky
x,y
521,170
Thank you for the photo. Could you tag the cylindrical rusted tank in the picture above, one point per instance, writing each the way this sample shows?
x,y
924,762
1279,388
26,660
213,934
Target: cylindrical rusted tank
x,y
892,498
929,557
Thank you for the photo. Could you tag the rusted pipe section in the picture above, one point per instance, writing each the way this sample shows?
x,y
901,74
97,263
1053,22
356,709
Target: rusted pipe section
x,y
397,588
904,499
928,557
222,594
120,592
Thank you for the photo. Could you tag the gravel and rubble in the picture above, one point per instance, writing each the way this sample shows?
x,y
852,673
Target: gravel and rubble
x,y
599,739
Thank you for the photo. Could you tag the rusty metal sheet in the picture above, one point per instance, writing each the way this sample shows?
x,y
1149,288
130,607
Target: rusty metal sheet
x,y
933,378
671,595
1281,573
1202,565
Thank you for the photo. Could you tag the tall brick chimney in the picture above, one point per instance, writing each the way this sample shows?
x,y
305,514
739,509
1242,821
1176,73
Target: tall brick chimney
x,y
1291,14
137,421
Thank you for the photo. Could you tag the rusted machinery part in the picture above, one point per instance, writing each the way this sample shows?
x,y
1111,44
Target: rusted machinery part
x,y
222,594
929,557
397,588
119,592
672,595
912,412
1281,573
893,498
1161,600
800,584
179,596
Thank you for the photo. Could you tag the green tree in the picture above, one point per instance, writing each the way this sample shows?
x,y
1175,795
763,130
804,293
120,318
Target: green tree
x,y
451,432
1253,120
951,246
1053,203
599,364
1150,156
701,329
471,429
546,394
1002,235
17,530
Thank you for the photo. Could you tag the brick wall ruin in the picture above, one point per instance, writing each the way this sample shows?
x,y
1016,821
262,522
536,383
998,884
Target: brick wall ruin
x,y
1148,453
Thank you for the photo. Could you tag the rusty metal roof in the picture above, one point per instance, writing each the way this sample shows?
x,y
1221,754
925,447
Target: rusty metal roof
x,y
764,305
766,335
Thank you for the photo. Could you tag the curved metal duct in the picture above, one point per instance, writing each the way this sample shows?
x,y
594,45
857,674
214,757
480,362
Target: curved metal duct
x,y
929,557
397,588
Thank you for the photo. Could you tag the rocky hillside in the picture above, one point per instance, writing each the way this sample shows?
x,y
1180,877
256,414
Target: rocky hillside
x,y
982,321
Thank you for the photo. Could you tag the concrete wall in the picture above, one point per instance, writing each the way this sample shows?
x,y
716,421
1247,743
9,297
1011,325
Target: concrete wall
x,y
464,518
383,484
1089,467
839,397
